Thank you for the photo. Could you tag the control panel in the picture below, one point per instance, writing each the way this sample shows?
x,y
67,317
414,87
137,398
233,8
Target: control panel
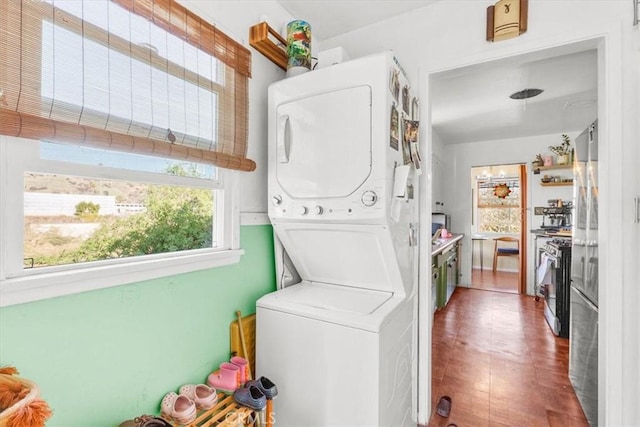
x,y
365,203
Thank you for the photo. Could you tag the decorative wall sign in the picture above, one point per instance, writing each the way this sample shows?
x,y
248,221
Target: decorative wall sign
x,y
507,19
501,191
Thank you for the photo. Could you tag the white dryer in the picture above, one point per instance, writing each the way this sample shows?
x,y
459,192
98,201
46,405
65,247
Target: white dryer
x,y
341,345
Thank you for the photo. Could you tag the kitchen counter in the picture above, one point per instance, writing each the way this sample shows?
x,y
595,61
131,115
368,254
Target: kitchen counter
x,y
439,245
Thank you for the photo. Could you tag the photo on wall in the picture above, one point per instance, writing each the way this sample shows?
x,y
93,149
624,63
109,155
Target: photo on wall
x,y
394,84
406,100
410,137
395,128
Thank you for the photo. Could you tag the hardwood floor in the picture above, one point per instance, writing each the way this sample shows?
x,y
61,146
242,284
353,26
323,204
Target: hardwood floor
x,y
501,281
497,359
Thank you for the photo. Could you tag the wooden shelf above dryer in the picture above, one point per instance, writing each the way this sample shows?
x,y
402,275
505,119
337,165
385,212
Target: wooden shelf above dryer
x,y
274,50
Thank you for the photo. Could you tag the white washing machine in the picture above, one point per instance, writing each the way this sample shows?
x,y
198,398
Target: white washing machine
x,y
341,344
340,356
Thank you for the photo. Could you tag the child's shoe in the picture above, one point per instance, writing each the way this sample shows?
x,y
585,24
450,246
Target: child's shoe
x,y
225,379
202,395
178,408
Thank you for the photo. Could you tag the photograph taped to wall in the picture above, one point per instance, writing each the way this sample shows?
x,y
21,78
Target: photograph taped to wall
x,y
410,136
394,83
406,100
395,128
415,157
406,148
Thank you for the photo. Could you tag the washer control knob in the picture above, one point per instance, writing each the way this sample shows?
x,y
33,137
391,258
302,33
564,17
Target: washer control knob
x,y
276,200
369,198
303,210
319,210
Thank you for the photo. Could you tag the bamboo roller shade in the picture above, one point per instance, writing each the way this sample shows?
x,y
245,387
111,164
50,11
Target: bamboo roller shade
x,y
45,50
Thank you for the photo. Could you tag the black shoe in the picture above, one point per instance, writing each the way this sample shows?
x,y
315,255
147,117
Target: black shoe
x,y
266,386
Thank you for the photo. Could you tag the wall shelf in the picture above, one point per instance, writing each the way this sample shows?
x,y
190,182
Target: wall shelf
x,y
556,184
537,169
275,51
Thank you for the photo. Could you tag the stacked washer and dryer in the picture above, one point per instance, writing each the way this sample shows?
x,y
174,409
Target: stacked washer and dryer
x,y
341,344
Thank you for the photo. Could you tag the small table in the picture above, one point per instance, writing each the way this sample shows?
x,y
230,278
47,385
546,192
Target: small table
x,y
481,239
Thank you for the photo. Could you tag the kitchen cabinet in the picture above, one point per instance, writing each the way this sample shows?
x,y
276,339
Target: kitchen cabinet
x,y
435,281
445,272
452,271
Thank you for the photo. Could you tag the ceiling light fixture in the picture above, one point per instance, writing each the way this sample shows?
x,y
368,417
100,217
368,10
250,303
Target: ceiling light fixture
x,y
526,94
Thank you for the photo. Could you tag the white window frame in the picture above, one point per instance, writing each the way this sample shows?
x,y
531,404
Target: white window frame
x,y
19,155
478,208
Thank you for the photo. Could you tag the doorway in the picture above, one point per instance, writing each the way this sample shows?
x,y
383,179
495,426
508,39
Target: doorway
x,y
499,149
498,217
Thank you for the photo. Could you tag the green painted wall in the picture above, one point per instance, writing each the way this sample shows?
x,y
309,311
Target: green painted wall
x,y
105,356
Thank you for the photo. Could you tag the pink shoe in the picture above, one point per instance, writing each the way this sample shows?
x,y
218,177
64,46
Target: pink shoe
x,y
226,378
202,395
178,408
244,368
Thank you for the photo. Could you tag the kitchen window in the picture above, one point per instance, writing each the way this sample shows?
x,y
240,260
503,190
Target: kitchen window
x,y
498,205
120,120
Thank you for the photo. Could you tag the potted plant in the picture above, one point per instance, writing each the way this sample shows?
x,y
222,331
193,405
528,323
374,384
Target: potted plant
x,y
538,161
563,151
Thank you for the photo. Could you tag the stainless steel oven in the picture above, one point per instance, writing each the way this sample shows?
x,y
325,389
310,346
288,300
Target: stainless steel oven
x,y
554,283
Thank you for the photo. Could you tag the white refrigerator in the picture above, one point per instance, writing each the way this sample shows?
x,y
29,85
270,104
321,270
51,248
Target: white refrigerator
x,y
341,344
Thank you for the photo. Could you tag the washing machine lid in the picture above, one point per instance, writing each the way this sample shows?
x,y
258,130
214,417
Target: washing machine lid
x,y
336,298
359,308
359,256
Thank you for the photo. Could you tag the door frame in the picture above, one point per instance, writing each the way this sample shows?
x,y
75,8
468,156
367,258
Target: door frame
x,y
523,209
524,230
608,43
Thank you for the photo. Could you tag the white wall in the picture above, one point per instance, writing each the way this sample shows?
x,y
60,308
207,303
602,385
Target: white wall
x,y
235,18
451,34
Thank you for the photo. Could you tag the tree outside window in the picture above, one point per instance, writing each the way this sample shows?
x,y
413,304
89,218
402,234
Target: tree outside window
x,y
498,214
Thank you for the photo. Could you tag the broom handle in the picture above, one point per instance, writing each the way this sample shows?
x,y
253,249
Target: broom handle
x,y
244,345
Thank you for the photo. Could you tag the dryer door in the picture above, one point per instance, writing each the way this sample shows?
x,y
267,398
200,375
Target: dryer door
x,y
323,143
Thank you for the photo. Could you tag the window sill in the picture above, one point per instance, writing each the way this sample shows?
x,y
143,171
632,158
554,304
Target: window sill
x,y
37,287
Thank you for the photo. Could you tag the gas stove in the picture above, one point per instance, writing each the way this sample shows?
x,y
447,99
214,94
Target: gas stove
x,y
557,246
559,242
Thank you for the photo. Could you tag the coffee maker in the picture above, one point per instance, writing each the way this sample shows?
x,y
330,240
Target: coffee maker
x,y
557,215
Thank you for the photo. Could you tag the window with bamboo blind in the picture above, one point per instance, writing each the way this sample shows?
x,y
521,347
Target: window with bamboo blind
x,y
146,76
119,121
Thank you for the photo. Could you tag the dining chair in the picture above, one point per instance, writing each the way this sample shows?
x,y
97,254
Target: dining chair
x,y
504,246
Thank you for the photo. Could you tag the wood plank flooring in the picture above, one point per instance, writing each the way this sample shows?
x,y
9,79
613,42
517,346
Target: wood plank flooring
x,y
501,281
497,359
